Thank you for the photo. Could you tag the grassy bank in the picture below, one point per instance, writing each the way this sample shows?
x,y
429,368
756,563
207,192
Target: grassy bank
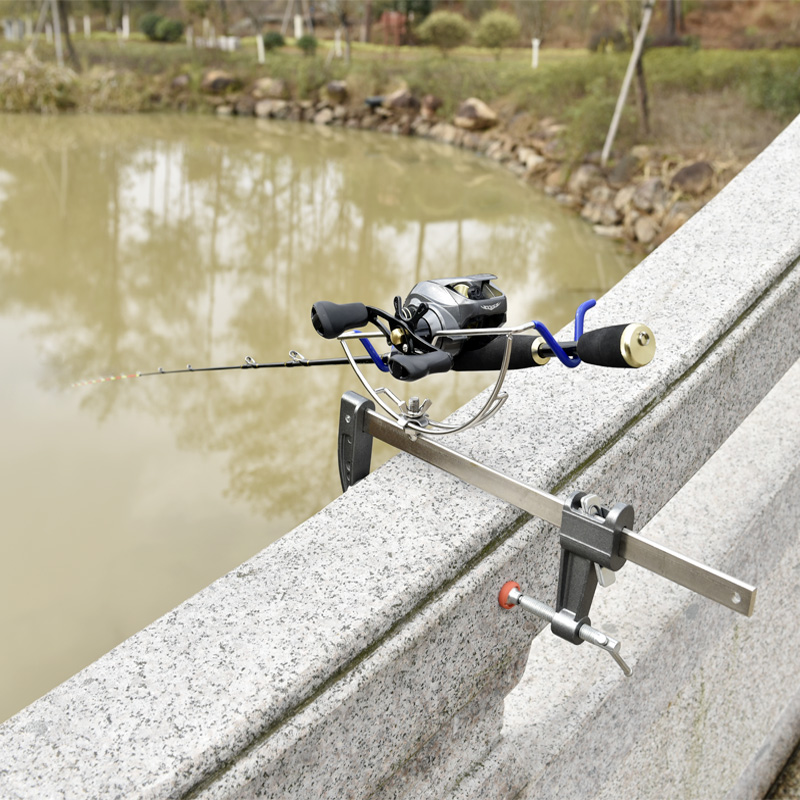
x,y
757,90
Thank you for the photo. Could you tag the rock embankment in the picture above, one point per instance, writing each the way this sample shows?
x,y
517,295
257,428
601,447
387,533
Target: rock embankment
x,y
642,197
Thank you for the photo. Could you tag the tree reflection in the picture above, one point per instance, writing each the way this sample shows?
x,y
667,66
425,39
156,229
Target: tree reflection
x,y
165,241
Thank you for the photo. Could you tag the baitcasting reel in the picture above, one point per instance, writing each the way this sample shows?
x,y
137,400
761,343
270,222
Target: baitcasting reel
x,y
456,324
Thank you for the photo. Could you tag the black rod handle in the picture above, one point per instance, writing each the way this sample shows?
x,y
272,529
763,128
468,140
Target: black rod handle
x,y
490,356
333,319
630,345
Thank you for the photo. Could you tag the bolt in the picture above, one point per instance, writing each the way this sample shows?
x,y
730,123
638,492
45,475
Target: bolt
x,y
644,338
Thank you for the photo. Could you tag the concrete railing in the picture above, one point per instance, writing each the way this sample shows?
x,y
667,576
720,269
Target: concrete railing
x,y
365,654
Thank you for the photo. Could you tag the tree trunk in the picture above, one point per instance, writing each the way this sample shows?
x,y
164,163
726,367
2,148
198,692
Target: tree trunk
x,y
71,54
672,19
641,96
367,20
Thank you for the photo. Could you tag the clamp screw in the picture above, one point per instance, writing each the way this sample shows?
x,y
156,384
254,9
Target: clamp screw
x,y
511,595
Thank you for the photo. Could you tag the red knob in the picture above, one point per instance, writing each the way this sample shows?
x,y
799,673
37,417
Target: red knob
x,y
502,598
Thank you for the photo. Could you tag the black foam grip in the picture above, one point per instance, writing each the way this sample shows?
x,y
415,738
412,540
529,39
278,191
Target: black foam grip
x,y
490,356
413,367
602,347
332,319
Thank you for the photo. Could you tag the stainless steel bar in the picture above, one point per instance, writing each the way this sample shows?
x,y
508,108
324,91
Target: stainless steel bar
x,y
540,504
680,569
657,558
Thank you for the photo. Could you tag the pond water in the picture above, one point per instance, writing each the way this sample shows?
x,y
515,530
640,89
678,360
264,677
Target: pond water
x,y
130,243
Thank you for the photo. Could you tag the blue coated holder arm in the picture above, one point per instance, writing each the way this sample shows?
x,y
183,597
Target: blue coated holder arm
x,y
580,313
373,353
557,349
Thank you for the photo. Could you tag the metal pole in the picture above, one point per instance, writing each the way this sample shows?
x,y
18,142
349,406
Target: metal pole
x,y
626,83
709,582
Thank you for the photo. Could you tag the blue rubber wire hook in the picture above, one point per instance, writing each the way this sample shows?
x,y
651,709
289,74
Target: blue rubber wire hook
x,y
580,313
557,349
373,354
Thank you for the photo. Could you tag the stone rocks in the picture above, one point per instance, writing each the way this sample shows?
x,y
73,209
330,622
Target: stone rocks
x,y
584,179
274,88
693,179
430,105
276,109
610,231
555,179
645,229
623,198
180,81
245,106
475,115
623,171
401,100
337,92
650,195
217,81
445,133
530,159
323,117
600,209
617,202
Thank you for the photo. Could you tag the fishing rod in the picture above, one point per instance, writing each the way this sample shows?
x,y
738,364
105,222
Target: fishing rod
x,y
446,324
297,360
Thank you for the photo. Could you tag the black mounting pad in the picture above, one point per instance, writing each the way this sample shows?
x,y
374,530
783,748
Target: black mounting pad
x,y
355,442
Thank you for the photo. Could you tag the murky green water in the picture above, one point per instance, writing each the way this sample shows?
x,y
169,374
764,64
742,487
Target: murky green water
x,y
132,243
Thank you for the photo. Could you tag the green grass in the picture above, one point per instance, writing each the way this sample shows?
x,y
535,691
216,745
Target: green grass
x,y
571,85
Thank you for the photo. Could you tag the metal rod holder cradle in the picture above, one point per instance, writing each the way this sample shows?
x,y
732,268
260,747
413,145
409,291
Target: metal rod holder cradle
x,y
359,423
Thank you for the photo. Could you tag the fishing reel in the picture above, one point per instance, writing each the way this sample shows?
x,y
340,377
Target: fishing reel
x,y
456,324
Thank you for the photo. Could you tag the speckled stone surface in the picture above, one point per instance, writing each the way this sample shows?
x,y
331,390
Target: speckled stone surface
x,y
364,654
712,708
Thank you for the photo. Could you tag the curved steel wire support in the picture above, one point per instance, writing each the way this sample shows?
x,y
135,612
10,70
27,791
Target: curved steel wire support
x,y
436,427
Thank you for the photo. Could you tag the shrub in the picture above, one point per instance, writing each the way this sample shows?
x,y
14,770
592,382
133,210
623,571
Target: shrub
x,y
169,30
588,120
775,90
308,44
608,39
445,30
148,24
496,30
273,40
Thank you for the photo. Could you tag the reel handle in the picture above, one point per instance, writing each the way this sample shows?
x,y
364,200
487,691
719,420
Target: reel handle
x,y
413,367
630,345
332,319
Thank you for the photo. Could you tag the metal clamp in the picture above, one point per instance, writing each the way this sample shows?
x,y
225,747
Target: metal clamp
x,y
590,541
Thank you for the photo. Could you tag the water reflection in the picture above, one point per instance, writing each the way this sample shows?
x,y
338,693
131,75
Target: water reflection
x,y
130,243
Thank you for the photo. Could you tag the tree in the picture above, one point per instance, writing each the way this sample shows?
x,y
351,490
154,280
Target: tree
x,y
445,30
63,14
496,30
